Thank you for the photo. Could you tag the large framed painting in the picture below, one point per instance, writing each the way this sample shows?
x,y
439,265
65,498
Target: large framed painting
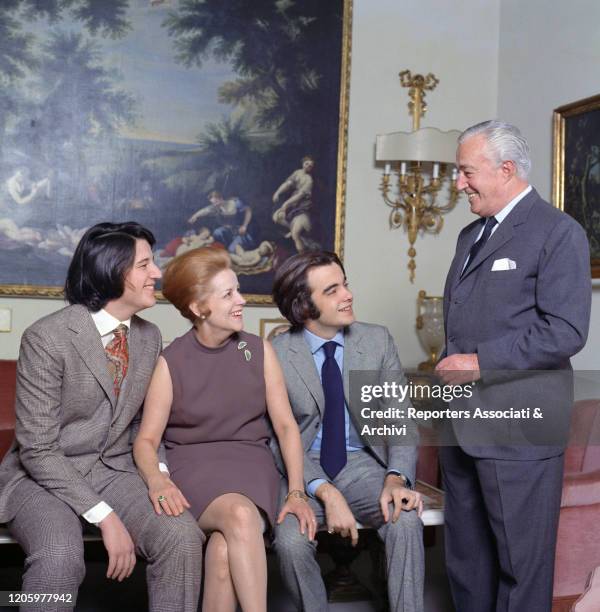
x,y
215,123
576,184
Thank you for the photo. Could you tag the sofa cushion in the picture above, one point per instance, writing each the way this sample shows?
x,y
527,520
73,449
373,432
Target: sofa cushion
x,y
8,380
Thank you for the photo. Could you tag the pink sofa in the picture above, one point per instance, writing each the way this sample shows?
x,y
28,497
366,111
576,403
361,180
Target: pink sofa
x,y
578,543
590,600
8,378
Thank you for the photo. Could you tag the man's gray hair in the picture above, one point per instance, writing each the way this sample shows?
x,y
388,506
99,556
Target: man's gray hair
x,y
505,143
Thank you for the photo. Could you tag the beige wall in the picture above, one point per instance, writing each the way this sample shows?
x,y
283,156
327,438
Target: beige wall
x,y
390,36
549,56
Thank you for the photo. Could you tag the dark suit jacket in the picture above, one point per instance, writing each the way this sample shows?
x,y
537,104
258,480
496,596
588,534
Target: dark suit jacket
x,y
366,347
534,317
67,414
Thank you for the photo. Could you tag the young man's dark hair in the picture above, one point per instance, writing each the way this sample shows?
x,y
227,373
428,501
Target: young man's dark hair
x,y
291,291
101,260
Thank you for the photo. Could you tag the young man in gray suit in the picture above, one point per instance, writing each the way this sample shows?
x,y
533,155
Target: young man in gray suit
x,y
81,379
517,297
347,480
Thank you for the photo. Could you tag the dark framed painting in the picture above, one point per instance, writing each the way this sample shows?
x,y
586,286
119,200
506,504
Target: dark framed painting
x,y
576,181
217,123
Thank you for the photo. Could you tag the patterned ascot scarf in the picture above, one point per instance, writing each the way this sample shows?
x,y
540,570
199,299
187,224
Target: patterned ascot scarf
x,y
117,356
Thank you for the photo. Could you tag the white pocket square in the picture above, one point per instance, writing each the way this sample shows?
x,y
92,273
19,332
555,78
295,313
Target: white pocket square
x,y
504,264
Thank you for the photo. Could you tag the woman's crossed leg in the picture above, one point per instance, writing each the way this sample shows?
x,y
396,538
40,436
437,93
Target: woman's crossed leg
x,y
236,562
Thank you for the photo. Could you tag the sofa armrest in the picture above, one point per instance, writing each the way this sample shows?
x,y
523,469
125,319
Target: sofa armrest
x,y
581,489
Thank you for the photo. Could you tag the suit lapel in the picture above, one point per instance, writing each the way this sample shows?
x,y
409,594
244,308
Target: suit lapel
x,y
88,344
461,253
504,233
304,364
352,357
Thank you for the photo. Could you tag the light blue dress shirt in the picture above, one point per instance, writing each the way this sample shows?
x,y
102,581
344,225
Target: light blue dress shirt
x,y
353,442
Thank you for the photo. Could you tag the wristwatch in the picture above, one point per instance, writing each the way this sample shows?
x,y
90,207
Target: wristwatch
x,y
407,484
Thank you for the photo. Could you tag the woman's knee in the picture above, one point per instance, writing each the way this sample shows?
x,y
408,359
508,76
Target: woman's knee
x,y
242,519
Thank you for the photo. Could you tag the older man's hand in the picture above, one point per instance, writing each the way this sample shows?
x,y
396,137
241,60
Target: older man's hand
x,y
459,369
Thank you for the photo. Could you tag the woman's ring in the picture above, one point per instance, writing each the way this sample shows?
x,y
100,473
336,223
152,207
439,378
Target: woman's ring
x,y
162,498
330,531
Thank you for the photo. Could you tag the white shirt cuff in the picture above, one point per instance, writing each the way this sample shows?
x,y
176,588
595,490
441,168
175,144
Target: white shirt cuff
x,y
163,468
97,513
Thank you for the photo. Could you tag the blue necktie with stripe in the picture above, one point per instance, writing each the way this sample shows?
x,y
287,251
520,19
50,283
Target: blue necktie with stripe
x,y
490,223
333,440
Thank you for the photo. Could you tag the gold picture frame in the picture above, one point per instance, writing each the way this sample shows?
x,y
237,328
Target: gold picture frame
x,y
161,172
576,168
269,328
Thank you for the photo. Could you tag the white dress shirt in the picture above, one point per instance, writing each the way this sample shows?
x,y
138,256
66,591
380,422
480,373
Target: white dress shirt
x,y
500,216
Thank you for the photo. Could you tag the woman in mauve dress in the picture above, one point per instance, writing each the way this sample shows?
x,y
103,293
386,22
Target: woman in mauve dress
x,y
208,400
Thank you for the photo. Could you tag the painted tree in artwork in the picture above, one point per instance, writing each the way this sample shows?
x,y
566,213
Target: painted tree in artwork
x,y
17,57
80,104
287,69
82,95
105,17
227,149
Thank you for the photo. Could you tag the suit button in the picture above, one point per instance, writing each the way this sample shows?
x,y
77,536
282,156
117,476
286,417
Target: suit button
x,y
316,426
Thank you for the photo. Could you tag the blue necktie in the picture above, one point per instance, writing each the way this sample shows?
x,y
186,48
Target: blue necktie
x,y
333,440
490,223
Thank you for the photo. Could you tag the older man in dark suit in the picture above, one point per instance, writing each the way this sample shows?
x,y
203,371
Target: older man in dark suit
x,y
81,380
517,297
347,478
